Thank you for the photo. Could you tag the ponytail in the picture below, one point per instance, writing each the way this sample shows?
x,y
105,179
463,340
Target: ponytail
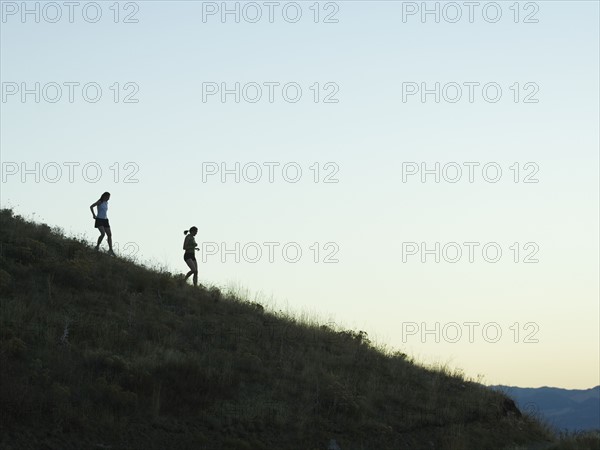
x,y
186,231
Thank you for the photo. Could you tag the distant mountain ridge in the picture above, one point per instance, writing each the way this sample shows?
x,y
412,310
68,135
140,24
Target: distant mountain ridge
x,y
565,409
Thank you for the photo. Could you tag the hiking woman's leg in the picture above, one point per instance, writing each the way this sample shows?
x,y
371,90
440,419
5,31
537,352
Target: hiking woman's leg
x,y
109,239
193,270
102,233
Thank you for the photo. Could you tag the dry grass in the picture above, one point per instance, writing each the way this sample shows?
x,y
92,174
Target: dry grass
x,y
98,352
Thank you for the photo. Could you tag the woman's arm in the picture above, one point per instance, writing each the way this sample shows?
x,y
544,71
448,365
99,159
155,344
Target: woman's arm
x,y
92,208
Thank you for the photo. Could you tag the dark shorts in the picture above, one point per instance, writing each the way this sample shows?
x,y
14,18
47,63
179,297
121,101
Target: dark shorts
x,y
101,223
191,256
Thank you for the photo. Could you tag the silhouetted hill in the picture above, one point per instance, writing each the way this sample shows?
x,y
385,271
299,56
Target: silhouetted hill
x,y
97,352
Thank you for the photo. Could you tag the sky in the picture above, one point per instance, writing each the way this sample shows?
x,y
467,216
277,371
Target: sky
x,y
424,171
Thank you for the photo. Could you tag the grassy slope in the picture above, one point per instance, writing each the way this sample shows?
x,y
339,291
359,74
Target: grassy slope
x,y
98,352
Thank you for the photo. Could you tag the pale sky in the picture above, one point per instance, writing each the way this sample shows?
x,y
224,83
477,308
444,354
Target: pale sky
x,y
335,118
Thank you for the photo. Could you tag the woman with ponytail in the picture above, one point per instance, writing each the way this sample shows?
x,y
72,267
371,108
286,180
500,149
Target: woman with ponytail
x,y
190,246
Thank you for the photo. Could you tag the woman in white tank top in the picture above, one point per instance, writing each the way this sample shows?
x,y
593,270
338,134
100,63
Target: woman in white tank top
x,y
102,221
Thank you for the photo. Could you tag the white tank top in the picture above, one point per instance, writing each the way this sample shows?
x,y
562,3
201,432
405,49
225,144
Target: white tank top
x,y
102,210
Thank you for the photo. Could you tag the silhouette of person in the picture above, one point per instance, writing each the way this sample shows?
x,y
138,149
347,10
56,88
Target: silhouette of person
x,y
190,246
102,221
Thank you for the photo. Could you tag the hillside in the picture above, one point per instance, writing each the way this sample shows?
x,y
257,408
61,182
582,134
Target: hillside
x,y
98,352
